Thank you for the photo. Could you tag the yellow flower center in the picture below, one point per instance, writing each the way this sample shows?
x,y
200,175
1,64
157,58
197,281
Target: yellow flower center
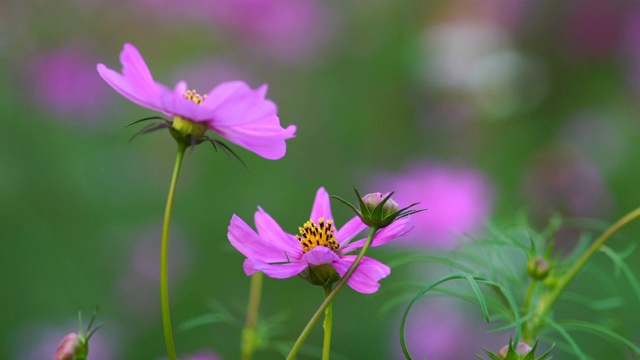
x,y
195,97
186,126
320,234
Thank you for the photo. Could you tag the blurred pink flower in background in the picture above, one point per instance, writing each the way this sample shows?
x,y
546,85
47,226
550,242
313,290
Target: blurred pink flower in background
x,y
562,180
178,11
63,81
39,342
289,30
438,329
458,200
631,49
203,356
139,286
594,27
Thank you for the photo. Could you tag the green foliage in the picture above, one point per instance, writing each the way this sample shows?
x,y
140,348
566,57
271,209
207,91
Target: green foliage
x,y
498,263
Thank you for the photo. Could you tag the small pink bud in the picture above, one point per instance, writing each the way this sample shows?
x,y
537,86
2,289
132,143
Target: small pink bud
x,y
374,199
377,212
70,347
522,349
538,268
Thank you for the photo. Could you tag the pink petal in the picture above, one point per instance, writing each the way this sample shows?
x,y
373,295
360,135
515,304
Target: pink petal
x,y
136,83
271,232
321,206
349,230
320,255
396,229
277,271
366,276
226,91
135,70
266,138
251,245
235,104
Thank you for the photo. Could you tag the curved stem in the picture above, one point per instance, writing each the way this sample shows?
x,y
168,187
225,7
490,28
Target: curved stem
x,y
547,300
328,323
164,250
327,300
249,340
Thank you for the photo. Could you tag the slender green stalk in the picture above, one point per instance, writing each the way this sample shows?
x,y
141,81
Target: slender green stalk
x,y
547,300
327,300
164,250
531,289
328,323
249,337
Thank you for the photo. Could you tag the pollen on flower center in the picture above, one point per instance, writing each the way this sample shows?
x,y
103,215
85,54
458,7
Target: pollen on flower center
x,y
195,97
320,234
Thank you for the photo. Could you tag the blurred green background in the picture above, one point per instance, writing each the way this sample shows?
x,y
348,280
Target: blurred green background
x,y
536,98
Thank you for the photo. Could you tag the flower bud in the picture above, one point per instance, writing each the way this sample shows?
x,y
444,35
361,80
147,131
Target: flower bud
x,y
371,201
71,347
521,350
378,210
538,268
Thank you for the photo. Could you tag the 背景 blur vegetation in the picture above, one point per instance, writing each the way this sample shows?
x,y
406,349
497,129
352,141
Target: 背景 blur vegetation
x,y
539,97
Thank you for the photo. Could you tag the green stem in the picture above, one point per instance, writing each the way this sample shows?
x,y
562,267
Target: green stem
x,y
547,300
531,289
164,250
327,300
328,323
249,340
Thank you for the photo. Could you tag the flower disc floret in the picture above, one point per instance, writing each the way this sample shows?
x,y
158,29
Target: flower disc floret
x,y
320,234
282,255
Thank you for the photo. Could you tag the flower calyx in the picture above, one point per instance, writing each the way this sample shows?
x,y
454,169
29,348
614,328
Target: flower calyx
x,y
323,275
378,210
187,133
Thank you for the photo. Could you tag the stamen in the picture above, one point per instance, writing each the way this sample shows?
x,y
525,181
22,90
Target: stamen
x,y
322,234
194,96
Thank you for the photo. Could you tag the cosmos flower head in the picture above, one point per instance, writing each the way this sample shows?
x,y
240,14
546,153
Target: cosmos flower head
x,y
231,109
320,248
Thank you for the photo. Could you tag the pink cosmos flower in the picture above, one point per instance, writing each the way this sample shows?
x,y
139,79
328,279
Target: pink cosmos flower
x,y
282,255
231,109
